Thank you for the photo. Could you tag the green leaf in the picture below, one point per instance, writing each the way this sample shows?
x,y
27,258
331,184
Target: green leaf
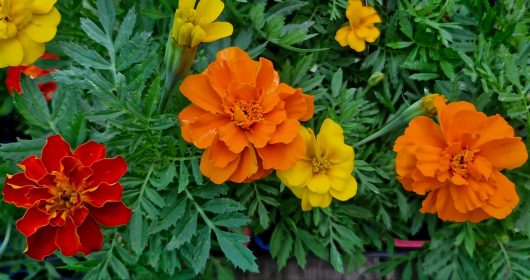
x,y
32,105
183,176
76,131
85,56
202,250
424,76
336,83
166,177
335,258
232,247
399,45
126,29
107,15
95,33
136,231
222,205
21,149
185,230
120,269
172,217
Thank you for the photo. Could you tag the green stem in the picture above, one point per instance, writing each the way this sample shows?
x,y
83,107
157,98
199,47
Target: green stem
x,y
144,185
6,238
199,209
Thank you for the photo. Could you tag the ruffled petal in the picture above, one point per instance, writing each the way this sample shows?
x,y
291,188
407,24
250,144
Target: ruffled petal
x,y
108,170
67,238
282,156
11,53
33,168
103,194
342,36
234,137
43,28
42,243
199,91
348,192
507,153
319,183
90,236
32,50
298,176
220,154
112,214
42,6
90,152
54,151
247,166
33,220
216,174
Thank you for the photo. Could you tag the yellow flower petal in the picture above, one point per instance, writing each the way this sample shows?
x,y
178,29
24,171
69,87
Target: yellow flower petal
x,y
296,176
339,175
319,200
42,6
331,142
32,50
356,43
10,53
347,193
373,34
208,11
43,28
306,205
299,192
342,36
217,30
309,142
188,4
319,183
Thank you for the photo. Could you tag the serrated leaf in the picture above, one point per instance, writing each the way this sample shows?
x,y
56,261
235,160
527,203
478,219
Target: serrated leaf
x,y
95,33
107,15
126,29
202,250
234,250
21,149
154,197
85,56
136,231
183,176
222,205
184,232
120,269
335,258
172,217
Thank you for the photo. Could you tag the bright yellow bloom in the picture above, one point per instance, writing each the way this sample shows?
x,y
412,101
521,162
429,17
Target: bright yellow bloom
x,y
361,28
326,169
193,26
25,25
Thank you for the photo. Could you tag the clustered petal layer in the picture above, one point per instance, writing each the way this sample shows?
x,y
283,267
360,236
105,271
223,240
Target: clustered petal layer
x,y
25,26
458,162
69,196
325,170
247,120
361,27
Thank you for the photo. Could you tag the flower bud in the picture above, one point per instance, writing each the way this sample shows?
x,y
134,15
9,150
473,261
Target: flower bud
x,y
375,79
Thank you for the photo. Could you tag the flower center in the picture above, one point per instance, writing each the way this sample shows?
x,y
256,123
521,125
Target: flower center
x,y
186,30
246,114
460,161
320,163
7,28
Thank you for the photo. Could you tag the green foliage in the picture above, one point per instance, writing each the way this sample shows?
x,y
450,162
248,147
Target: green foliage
x,y
184,227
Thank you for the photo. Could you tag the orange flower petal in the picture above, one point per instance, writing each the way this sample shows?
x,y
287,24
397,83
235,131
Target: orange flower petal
x,y
267,78
247,166
285,132
216,174
425,131
282,156
220,154
234,137
198,90
507,153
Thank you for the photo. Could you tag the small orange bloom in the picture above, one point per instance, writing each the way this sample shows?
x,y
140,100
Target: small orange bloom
x,y
247,120
458,163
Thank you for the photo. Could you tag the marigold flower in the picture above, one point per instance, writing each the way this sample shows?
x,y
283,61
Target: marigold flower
x,y
194,25
361,26
247,120
325,171
32,71
25,25
68,197
458,163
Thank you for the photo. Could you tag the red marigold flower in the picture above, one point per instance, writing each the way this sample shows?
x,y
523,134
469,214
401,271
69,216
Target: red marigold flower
x,y
32,71
68,197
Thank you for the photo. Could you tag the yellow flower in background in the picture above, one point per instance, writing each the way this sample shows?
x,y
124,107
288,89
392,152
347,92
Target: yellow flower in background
x,y
325,171
25,26
361,28
194,25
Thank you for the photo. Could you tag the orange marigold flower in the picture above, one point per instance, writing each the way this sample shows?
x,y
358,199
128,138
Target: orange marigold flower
x,y
247,120
32,71
68,197
458,163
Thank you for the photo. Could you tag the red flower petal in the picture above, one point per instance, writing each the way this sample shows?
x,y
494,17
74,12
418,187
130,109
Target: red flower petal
x,y
108,170
15,189
50,56
112,214
90,236
53,151
103,194
13,79
90,152
38,194
32,221
42,243
67,239
79,214
33,168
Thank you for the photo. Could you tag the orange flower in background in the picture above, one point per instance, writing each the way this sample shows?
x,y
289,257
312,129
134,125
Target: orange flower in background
x,y
68,197
247,120
458,163
32,71
361,27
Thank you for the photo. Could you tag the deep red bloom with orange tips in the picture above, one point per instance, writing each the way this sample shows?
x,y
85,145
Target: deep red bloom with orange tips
x,y
69,196
247,120
32,71
458,162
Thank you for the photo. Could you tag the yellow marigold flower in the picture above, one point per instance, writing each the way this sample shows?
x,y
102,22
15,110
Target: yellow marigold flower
x,y
193,26
361,28
326,169
25,25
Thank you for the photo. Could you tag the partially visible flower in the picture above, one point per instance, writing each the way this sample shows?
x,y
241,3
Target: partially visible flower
x,y
69,196
325,171
195,25
25,26
247,120
361,28
32,71
458,162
